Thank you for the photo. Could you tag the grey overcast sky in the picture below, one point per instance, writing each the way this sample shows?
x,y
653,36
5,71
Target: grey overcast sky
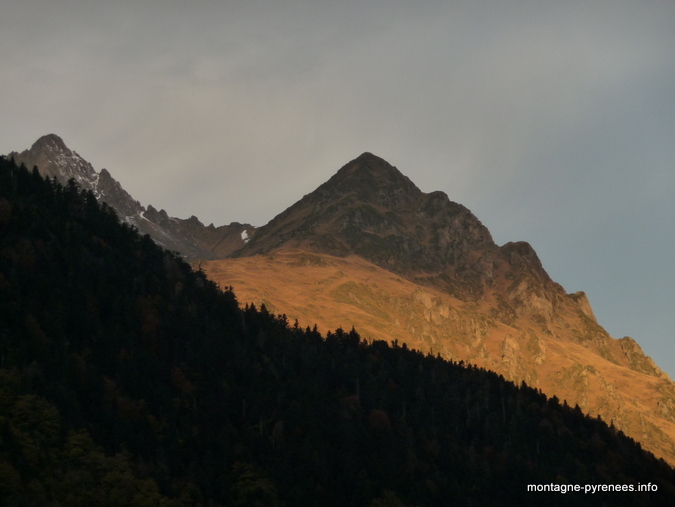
x,y
554,122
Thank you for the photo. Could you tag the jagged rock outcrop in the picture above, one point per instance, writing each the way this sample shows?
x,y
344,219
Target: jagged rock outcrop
x,y
55,160
109,190
638,360
189,236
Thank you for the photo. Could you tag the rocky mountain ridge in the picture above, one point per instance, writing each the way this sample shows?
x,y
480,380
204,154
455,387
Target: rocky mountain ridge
x,y
191,238
127,378
370,209
369,249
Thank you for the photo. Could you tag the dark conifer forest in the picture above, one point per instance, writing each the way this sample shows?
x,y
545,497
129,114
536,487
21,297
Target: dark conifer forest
x,y
128,378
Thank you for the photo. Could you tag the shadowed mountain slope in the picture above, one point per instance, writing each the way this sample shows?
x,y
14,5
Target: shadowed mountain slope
x,y
126,378
456,292
189,236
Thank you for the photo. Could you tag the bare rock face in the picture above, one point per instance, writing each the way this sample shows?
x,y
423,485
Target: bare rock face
x,y
188,237
639,361
584,304
110,191
370,209
53,159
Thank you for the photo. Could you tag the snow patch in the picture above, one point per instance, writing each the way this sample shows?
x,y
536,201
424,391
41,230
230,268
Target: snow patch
x,y
244,236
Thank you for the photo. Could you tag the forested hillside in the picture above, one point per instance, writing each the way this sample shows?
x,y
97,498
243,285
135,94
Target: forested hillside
x,y
127,378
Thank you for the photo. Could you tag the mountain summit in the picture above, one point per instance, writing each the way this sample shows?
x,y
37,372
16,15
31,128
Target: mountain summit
x,y
371,178
55,160
370,249
368,208
189,236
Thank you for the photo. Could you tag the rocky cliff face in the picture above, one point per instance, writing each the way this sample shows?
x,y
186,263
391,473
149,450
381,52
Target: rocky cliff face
x,y
189,236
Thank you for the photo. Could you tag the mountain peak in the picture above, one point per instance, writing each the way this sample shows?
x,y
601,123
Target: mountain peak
x,y
374,166
368,159
55,160
370,209
368,155
370,179
50,141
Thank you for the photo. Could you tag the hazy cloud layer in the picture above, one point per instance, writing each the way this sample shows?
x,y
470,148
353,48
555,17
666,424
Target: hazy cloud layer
x,y
553,122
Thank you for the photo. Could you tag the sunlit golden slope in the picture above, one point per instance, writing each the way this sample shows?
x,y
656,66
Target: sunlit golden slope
x,y
369,249
564,352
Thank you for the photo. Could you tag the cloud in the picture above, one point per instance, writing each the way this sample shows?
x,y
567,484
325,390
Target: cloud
x,y
552,122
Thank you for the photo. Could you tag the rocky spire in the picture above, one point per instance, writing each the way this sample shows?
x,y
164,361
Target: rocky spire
x,y
188,237
55,160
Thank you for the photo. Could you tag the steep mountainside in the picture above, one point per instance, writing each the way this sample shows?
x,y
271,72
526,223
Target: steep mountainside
x,y
126,378
370,209
189,236
369,249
